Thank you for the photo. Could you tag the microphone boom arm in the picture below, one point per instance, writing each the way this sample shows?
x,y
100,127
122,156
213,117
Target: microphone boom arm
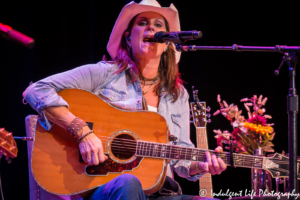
x,y
235,47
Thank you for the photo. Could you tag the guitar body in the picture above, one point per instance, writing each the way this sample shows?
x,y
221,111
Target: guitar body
x,y
56,162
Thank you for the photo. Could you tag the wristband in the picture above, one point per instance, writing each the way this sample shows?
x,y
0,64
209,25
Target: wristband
x,y
75,126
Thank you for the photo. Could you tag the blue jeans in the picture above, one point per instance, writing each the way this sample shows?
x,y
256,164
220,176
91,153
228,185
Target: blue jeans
x,y
128,187
123,187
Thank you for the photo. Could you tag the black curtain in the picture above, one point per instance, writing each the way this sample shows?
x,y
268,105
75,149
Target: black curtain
x,y
69,34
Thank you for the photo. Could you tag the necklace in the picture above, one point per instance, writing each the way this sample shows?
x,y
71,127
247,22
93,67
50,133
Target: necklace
x,y
152,79
152,84
149,82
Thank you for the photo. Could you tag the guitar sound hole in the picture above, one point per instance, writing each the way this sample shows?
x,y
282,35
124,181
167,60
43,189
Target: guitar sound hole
x,y
123,146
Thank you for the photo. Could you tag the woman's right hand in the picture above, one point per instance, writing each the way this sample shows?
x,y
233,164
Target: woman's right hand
x,y
91,148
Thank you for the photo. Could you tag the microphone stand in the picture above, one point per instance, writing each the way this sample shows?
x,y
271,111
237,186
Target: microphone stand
x,y
291,56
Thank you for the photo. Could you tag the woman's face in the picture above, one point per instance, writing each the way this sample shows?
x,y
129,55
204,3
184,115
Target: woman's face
x,y
146,24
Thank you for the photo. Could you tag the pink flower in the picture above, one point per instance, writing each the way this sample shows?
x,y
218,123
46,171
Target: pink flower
x,y
220,141
257,120
235,133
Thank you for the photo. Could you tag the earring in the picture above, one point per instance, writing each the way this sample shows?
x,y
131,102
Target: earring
x,y
128,39
165,49
167,43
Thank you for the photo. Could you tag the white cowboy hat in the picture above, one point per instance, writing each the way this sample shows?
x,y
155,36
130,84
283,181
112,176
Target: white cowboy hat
x,y
132,9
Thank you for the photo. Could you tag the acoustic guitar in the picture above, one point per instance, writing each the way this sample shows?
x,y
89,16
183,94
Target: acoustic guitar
x,y
136,142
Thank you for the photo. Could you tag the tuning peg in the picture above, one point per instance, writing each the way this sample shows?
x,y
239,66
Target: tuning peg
x,y
208,109
8,160
8,134
208,115
206,120
12,148
191,122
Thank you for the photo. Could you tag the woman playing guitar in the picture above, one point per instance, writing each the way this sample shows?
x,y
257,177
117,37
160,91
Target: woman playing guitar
x,y
142,75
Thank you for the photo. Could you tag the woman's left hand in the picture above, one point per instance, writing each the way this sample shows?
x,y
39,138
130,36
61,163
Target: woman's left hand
x,y
213,164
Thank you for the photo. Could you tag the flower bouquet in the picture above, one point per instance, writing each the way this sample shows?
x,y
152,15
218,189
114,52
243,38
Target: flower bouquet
x,y
248,134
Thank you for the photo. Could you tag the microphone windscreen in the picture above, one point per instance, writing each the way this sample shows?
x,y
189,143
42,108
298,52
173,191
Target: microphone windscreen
x,y
158,37
21,38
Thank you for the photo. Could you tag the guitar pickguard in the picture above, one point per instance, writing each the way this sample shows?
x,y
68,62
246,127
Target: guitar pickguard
x,y
110,166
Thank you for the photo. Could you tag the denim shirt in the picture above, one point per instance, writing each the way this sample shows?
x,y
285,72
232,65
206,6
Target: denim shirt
x,y
119,90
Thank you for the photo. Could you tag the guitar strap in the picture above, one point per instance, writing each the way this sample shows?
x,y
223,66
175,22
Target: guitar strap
x,y
145,105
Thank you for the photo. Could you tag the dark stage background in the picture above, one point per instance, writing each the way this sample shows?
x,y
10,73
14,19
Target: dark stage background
x,y
69,34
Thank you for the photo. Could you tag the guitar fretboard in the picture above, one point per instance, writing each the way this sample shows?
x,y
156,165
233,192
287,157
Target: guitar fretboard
x,y
205,181
166,151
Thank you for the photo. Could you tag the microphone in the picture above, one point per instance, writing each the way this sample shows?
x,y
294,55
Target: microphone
x,y
175,37
9,33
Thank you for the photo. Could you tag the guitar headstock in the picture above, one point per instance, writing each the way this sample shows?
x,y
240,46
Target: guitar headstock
x,y
200,112
8,146
278,166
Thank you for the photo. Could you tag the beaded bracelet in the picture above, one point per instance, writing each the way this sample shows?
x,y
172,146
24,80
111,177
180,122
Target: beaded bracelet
x,y
81,138
75,126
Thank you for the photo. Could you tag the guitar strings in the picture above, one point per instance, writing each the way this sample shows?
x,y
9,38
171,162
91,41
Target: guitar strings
x,y
248,163
154,153
133,143
123,145
151,147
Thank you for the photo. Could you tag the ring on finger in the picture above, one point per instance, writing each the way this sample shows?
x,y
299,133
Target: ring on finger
x,y
202,170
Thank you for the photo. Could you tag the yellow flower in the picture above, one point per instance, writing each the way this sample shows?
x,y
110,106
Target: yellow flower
x,y
262,130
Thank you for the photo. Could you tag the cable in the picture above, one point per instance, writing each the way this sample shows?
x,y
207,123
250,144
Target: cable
x,y
0,181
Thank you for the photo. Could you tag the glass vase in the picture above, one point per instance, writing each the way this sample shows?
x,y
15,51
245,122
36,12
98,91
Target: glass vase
x,y
261,179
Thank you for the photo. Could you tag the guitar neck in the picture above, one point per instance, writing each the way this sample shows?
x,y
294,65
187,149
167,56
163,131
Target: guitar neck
x,y
205,181
166,151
